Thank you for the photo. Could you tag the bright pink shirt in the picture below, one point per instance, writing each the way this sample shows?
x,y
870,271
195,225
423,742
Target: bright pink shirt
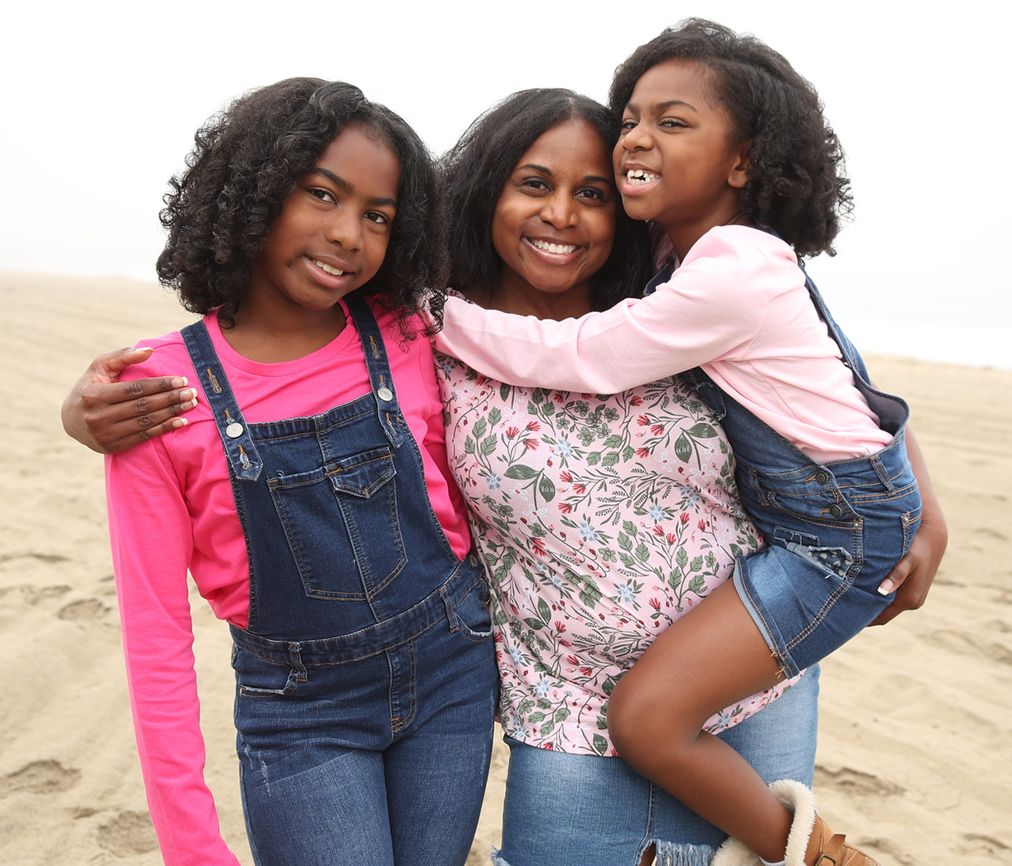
x,y
171,510
736,306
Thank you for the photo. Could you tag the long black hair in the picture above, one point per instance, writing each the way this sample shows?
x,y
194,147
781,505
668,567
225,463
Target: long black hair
x,y
796,183
475,172
244,164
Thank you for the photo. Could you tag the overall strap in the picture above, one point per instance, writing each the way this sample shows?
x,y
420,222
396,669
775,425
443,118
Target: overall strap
x,y
851,357
243,460
381,379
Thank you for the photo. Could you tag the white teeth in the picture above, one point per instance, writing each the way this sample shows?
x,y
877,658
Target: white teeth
x,y
559,249
323,266
640,175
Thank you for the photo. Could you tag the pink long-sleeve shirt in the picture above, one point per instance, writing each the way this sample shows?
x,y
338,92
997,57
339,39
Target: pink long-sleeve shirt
x,y
736,306
171,510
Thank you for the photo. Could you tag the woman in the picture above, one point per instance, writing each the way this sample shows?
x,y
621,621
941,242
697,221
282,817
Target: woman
x,y
571,530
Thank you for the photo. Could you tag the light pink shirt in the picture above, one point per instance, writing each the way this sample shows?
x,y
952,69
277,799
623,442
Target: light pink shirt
x,y
171,510
736,306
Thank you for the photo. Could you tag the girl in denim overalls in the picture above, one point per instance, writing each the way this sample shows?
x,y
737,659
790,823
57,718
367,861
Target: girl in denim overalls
x,y
725,148
310,499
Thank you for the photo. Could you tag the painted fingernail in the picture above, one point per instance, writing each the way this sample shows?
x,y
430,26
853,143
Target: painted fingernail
x,y
178,422
189,394
191,404
179,382
886,587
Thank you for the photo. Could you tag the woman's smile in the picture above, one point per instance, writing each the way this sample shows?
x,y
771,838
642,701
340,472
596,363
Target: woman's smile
x,y
554,223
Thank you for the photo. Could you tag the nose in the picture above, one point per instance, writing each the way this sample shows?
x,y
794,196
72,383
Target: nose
x,y
344,228
559,211
636,138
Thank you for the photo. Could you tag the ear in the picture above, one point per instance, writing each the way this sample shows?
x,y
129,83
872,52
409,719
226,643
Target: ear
x,y
738,176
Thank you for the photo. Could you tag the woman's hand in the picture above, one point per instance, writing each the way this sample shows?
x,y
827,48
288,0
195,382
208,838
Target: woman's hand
x,y
111,416
913,575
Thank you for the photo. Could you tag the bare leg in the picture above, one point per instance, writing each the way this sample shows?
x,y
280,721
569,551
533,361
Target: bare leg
x,y
706,661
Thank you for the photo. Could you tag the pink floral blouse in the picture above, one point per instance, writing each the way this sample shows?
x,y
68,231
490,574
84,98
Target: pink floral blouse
x,y
601,520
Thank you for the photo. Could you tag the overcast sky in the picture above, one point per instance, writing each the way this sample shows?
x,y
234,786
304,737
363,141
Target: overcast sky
x,y
101,101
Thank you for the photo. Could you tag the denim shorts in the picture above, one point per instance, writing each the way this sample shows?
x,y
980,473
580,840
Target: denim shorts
x,y
835,531
584,810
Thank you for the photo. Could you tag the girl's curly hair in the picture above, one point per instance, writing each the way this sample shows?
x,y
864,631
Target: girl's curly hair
x,y
475,171
796,184
243,166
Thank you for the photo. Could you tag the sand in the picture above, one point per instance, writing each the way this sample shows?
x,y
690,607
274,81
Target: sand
x,y
915,748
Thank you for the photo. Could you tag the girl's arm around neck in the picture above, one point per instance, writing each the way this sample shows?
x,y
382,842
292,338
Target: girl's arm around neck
x,y
151,542
711,309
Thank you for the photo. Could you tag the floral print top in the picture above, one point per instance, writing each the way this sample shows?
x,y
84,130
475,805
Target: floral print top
x,y
601,520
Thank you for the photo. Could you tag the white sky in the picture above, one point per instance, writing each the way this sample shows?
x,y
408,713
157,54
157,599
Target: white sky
x,y
100,102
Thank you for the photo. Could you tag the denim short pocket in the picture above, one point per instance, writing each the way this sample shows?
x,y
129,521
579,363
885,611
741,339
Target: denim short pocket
x,y
820,507
256,678
472,617
911,521
342,524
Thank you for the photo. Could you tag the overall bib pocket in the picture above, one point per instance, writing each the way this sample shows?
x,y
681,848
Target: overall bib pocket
x,y
357,553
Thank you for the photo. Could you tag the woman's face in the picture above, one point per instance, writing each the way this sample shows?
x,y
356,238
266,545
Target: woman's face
x,y
554,223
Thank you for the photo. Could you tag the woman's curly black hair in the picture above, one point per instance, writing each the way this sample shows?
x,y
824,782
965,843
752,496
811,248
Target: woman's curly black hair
x,y
243,166
796,184
476,170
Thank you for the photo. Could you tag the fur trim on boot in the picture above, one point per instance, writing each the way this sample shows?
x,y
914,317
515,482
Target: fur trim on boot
x,y
810,842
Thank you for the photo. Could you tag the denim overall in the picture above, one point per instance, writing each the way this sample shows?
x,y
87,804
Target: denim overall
x,y
834,530
366,678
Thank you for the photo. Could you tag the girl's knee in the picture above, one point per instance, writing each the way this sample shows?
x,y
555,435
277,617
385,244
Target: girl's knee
x,y
640,716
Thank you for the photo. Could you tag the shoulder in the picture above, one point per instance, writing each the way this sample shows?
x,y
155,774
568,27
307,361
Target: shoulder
x,y
169,358
744,259
743,247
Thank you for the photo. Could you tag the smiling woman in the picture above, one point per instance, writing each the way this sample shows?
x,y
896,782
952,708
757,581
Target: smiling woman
x,y
601,519
553,226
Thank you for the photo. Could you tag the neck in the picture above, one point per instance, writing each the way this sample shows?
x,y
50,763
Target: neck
x,y
269,334
524,299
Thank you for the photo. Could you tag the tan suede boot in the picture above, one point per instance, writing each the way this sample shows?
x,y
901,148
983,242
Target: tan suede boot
x,y
810,843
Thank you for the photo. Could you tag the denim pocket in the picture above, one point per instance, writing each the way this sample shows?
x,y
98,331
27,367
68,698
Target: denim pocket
x,y
256,678
472,618
342,524
816,505
911,521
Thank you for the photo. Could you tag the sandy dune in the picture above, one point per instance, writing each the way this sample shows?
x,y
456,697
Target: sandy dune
x,y
914,759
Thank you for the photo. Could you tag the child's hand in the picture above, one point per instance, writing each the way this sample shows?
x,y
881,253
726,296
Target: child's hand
x,y
110,416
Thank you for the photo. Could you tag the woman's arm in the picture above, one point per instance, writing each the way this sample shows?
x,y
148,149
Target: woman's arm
x,y
913,575
111,416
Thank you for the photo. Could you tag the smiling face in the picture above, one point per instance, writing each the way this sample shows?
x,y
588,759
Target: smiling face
x,y
554,223
677,161
332,233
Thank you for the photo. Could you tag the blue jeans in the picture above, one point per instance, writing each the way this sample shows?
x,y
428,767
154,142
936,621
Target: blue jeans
x,y
582,810
377,761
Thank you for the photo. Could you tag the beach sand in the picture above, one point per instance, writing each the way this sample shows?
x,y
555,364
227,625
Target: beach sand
x,y
915,746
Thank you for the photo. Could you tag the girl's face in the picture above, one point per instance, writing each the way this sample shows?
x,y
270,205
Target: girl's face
x,y
331,235
676,160
554,223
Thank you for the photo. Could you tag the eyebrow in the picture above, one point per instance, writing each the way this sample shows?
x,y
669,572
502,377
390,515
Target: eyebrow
x,y
342,184
545,170
661,106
